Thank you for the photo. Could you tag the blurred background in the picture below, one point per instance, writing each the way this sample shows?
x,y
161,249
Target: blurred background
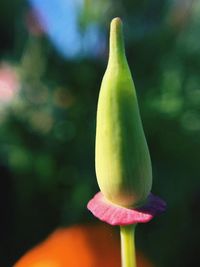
x,y
52,58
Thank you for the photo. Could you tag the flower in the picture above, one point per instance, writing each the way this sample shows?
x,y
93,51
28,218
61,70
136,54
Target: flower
x,y
79,246
9,83
123,164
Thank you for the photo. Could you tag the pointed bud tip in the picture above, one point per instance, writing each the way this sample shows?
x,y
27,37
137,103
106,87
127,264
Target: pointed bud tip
x,y
117,52
116,20
116,23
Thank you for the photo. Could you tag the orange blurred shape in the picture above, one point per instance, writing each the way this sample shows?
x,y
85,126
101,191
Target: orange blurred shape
x,y
79,246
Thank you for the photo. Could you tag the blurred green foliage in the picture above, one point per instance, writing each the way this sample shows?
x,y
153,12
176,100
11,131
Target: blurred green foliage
x,y
47,128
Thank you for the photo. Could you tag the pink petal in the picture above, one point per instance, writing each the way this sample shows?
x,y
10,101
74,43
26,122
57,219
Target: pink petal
x,y
116,215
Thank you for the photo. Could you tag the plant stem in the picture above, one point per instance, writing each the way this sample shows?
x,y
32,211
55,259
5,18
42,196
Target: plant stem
x,y
128,255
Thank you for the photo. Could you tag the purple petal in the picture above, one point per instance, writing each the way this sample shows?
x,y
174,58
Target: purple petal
x,y
117,215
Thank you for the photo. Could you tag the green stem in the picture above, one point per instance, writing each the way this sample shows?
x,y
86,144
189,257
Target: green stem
x,y
128,255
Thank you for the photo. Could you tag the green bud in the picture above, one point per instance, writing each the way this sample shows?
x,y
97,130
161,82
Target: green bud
x,y
123,165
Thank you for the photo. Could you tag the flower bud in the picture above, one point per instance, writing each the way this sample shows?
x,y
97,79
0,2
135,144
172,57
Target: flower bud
x,y
123,165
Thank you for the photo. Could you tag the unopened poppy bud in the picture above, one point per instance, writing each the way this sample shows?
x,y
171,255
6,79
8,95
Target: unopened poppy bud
x,y
123,165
